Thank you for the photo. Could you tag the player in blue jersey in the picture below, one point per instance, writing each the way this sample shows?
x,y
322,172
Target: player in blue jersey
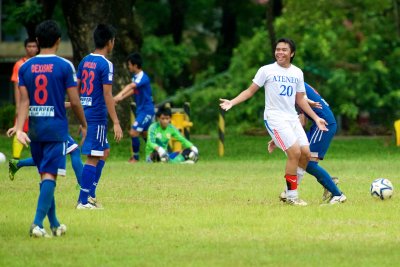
x,y
319,144
43,82
95,77
142,95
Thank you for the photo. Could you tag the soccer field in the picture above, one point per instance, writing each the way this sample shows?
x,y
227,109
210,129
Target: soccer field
x,y
219,212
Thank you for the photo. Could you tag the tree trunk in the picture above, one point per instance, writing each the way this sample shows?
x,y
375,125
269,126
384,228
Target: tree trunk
x,y
177,19
82,16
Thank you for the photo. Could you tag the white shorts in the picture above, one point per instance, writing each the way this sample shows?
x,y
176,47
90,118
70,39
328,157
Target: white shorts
x,y
286,133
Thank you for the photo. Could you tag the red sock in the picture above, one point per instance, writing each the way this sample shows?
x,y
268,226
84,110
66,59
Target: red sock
x,y
291,181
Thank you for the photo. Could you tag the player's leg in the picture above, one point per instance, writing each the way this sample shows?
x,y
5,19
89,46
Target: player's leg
x,y
16,148
50,158
76,161
139,127
93,148
319,144
284,136
99,168
14,165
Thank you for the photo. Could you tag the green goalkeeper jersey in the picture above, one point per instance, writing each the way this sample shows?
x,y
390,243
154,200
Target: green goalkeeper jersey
x,y
157,136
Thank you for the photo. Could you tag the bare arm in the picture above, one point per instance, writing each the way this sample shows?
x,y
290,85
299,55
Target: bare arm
x,y
127,91
75,104
110,103
303,104
243,96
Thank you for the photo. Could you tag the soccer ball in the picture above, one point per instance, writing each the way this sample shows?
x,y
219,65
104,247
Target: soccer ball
x,y
193,156
381,188
2,158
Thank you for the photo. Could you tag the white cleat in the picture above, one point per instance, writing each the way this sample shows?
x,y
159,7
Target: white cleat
x,y
296,202
59,231
282,196
36,231
326,196
87,206
338,199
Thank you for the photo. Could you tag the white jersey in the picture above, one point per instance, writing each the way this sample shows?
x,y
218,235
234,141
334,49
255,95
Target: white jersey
x,y
281,85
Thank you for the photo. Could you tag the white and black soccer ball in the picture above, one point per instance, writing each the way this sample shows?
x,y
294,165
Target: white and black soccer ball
x,y
381,188
193,156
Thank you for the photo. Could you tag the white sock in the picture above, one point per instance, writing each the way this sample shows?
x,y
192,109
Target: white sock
x,y
300,174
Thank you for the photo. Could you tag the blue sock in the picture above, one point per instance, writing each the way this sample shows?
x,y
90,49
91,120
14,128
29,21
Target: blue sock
x,y
136,147
51,214
46,196
88,175
25,162
77,164
99,169
323,177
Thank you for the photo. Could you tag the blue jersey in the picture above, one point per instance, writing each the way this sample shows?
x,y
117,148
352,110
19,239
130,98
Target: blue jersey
x,y
325,112
94,71
142,94
47,77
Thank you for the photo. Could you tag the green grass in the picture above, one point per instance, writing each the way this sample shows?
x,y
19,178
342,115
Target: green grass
x,y
219,212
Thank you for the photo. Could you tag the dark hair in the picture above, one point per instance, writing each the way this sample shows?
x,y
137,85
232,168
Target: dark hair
x,y
29,40
102,34
163,111
47,33
135,59
291,44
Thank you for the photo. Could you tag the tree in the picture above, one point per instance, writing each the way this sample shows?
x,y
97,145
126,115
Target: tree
x,y
82,16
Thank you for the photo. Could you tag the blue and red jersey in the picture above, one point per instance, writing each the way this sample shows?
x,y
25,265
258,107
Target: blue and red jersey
x,y
47,77
94,71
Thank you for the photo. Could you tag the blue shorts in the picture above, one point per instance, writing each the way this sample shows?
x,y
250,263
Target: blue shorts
x,y
320,140
49,157
71,144
142,122
96,140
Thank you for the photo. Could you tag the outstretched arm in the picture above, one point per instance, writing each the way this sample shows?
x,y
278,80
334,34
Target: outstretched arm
x,y
243,96
127,91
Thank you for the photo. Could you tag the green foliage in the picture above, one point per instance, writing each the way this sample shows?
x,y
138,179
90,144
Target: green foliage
x,y
29,11
7,113
165,60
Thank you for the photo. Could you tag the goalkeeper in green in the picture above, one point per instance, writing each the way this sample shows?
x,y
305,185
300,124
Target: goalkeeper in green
x,y
160,133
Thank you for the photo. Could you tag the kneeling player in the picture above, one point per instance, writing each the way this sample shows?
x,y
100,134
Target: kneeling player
x,y
160,133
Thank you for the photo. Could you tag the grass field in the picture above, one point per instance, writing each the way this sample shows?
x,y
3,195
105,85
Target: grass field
x,y
219,212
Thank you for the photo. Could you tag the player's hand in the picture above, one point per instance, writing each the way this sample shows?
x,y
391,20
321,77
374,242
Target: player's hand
x,y
271,146
225,104
11,131
83,133
321,123
314,104
118,134
23,138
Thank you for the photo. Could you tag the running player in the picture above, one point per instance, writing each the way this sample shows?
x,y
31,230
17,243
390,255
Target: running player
x,y
31,50
95,77
142,95
159,135
43,82
284,87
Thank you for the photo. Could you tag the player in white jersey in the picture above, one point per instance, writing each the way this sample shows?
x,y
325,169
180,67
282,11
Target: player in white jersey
x,y
284,87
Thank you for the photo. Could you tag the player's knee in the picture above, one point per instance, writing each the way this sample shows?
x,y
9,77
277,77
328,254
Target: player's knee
x,y
133,133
